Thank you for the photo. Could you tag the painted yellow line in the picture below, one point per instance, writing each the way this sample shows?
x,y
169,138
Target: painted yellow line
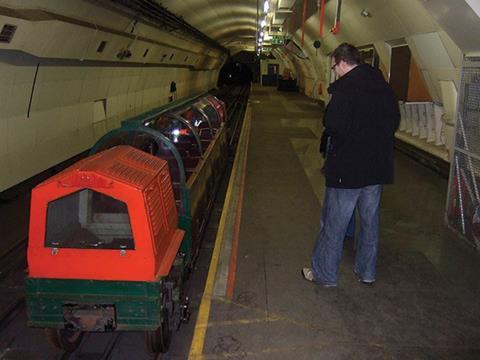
x,y
198,340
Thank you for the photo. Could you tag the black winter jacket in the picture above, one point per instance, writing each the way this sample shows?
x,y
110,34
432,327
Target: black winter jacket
x,y
361,118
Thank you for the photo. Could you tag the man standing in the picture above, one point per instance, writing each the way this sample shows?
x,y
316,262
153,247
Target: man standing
x,y
361,119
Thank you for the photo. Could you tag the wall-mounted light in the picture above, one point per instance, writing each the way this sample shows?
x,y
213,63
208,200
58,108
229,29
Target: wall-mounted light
x,y
261,34
365,13
263,23
266,6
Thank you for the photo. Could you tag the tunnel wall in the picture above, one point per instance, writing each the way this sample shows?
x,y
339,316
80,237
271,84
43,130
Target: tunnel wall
x,y
59,93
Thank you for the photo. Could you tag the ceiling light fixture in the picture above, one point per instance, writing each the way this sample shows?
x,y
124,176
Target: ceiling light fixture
x,y
266,6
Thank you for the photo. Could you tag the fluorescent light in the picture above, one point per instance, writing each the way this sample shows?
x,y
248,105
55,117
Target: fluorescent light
x,y
266,6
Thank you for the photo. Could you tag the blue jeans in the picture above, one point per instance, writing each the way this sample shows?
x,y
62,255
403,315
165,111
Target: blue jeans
x,y
338,207
351,226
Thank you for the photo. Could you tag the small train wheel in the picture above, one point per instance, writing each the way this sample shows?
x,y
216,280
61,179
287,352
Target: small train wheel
x,y
64,339
159,340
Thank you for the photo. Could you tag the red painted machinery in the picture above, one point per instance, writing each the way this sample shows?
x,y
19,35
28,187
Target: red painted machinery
x,y
103,240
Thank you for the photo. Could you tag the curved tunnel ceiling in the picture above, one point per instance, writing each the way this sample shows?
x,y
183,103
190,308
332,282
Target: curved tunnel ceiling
x,y
233,23
230,22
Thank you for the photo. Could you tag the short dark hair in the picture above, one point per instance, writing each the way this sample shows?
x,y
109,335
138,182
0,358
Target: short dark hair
x,y
347,53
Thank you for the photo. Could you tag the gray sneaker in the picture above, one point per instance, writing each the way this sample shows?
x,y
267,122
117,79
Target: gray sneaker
x,y
364,281
307,274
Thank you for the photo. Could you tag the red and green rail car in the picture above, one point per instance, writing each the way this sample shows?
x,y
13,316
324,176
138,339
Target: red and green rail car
x,y
113,236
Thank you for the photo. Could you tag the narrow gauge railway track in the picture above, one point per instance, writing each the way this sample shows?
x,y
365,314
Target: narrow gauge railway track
x,y
10,312
235,98
12,258
12,265
105,353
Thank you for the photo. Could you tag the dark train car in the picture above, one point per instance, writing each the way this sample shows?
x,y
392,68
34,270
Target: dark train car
x,y
104,251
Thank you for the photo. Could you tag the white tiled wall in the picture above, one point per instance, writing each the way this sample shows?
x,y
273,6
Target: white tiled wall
x,y
61,122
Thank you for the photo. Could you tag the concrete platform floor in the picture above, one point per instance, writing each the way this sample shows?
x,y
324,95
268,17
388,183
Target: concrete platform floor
x,y
425,304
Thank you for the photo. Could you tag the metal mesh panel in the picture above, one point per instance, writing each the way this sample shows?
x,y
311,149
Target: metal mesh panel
x,y
463,204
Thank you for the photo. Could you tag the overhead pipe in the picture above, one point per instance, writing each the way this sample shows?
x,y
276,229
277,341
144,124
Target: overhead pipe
x,y
163,18
292,22
321,11
304,18
336,27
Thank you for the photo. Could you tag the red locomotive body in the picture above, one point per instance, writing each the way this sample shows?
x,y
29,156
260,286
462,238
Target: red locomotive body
x,y
109,217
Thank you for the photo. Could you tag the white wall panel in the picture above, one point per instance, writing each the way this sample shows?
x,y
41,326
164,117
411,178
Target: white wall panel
x,y
449,99
48,125
116,105
61,122
384,53
115,121
459,20
150,96
7,74
89,90
24,74
138,98
84,114
432,86
71,115
454,52
17,99
64,39
99,129
22,164
413,16
84,138
134,85
431,51
446,74
45,92
131,97
72,92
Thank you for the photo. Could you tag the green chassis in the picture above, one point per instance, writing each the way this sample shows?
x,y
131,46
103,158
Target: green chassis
x,y
137,304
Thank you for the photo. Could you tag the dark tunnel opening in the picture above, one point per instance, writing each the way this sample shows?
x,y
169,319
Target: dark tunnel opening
x,y
240,69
